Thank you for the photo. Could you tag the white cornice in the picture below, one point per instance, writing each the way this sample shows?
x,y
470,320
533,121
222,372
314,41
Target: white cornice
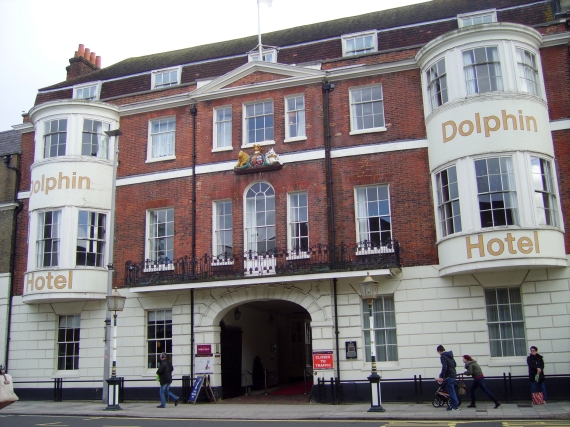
x,y
559,125
180,100
555,39
371,70
24,127
8,206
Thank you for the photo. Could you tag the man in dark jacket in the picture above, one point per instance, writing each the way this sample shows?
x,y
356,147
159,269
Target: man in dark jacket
x,y
535,364
448,375
164,373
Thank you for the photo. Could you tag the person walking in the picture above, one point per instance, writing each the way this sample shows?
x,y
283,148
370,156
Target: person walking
x,y
473,369
447,376
164,373
535,364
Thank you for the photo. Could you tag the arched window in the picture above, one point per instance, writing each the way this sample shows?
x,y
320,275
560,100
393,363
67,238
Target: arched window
x,y
260,218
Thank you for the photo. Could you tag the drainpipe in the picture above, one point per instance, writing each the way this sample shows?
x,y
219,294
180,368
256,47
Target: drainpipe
x,y
327,89
193,112
12,257
192,335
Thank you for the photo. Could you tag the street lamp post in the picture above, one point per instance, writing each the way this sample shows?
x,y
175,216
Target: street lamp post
x,y
115,302
369,293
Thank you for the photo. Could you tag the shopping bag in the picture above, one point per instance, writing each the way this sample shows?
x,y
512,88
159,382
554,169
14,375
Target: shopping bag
x,y
7,395
537,398
462,388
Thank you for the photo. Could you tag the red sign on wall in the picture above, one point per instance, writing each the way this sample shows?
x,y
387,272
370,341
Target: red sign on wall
x,y
323,359
204,349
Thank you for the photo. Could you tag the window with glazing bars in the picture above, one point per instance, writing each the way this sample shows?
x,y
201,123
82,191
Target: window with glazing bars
x,y
260,218
437,84
448,201
48,238
259,122
223,228
159,336
162,134
68,335
367,108
55,138
91,235
161,236
496,192
295,116
482,70
359,45
544,192
385,336
89,92
505,322
165,78
95,141
298,222
373,215
223,127
527,71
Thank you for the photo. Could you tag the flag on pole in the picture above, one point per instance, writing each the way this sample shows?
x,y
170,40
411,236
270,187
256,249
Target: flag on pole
x,y
259,46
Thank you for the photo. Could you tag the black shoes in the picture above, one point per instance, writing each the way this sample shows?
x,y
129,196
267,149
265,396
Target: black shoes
x,y
176,402
160,406
497,404
471,406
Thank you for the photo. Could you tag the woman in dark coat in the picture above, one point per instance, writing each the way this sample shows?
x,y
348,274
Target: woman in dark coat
x,y
536,366
473,369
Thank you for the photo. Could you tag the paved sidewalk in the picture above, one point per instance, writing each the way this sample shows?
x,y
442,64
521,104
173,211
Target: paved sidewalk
x,y
310,411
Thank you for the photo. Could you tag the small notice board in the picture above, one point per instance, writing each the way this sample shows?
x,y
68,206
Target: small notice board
x,y
201,381
323,359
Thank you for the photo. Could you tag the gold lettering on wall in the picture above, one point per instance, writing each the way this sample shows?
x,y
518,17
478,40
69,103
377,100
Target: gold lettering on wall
x,y
48,281
51,183
496,247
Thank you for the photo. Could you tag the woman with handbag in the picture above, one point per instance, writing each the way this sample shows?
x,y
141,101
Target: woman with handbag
x,y
535,364
473,369
7,395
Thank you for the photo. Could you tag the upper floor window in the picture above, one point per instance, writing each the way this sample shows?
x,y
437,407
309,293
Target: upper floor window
x,y
298,222
160,236
223,228
90,92
373,220
357,44
505,322
223,127
527,72
437,84
68,335
384,329
259,122
48,238
95,141
165,78
91,235
162,137
544,192
295,117
55,138
269,55
260,218
481,17
496,192
448,201
366,109
482,70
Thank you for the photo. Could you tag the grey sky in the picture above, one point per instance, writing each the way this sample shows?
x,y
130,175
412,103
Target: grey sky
x,y
37,37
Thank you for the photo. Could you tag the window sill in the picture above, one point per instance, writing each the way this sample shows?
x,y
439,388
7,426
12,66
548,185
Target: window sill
x,y
250,145
372,130
66,374
215,264
160,267
160,159
298,256
297,138
508,361
382,250
217,150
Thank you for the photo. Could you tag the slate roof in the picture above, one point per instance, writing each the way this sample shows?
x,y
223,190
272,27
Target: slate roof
x,y
10,142
407,15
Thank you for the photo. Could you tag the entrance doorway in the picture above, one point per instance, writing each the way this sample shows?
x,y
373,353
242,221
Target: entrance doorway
x,y
231,347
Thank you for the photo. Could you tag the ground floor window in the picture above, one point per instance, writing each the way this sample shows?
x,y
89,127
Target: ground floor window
x,y
68,343
505,322
384,329
159,336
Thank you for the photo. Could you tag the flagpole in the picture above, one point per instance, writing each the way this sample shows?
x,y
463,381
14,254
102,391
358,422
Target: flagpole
x,y
259,32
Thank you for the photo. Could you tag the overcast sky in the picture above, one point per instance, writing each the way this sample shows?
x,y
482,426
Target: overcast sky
x,y
37,37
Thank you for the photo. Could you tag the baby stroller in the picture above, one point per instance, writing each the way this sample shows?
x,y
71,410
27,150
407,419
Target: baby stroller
x,y
441,397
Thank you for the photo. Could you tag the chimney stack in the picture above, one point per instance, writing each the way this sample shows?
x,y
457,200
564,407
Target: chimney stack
x,y
84,62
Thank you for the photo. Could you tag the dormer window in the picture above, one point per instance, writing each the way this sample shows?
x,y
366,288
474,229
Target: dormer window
x,y
165,78
269,55
357,44
481,17
88,92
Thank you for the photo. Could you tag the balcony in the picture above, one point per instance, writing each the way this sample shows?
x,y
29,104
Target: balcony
x,y
314,260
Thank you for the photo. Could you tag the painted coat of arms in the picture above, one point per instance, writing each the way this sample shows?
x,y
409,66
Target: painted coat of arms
x,y
258,161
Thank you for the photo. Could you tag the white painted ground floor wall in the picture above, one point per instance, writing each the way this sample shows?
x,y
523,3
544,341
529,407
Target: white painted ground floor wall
x,y
430,310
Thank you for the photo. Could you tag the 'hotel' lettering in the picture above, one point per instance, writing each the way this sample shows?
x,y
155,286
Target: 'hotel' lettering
x,y
49,282
490,124
496,247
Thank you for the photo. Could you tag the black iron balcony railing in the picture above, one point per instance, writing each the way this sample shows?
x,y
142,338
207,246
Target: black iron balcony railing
x,y
316,259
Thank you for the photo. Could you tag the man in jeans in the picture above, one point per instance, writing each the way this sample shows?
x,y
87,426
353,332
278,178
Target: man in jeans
x,y
164,373
448,376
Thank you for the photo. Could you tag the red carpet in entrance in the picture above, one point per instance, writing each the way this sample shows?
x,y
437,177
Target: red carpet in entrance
x,y
298,388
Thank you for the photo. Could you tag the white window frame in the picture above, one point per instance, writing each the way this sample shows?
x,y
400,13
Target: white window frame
x,y
165,340
56,236
347,37
94,91
49,134
367,250
440,81
518,312
461,18
353,117
150,158
501,80
523,81
252,56
296,112
550,192
378,308
95,238
216,230
149,237
156,73
292,221
216,147
448,207
71,320
102,138
245,141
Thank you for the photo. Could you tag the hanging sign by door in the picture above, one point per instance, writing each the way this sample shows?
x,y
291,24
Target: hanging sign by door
x,y
323,359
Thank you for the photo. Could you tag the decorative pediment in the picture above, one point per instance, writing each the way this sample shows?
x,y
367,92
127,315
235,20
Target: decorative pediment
x,y
257,76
